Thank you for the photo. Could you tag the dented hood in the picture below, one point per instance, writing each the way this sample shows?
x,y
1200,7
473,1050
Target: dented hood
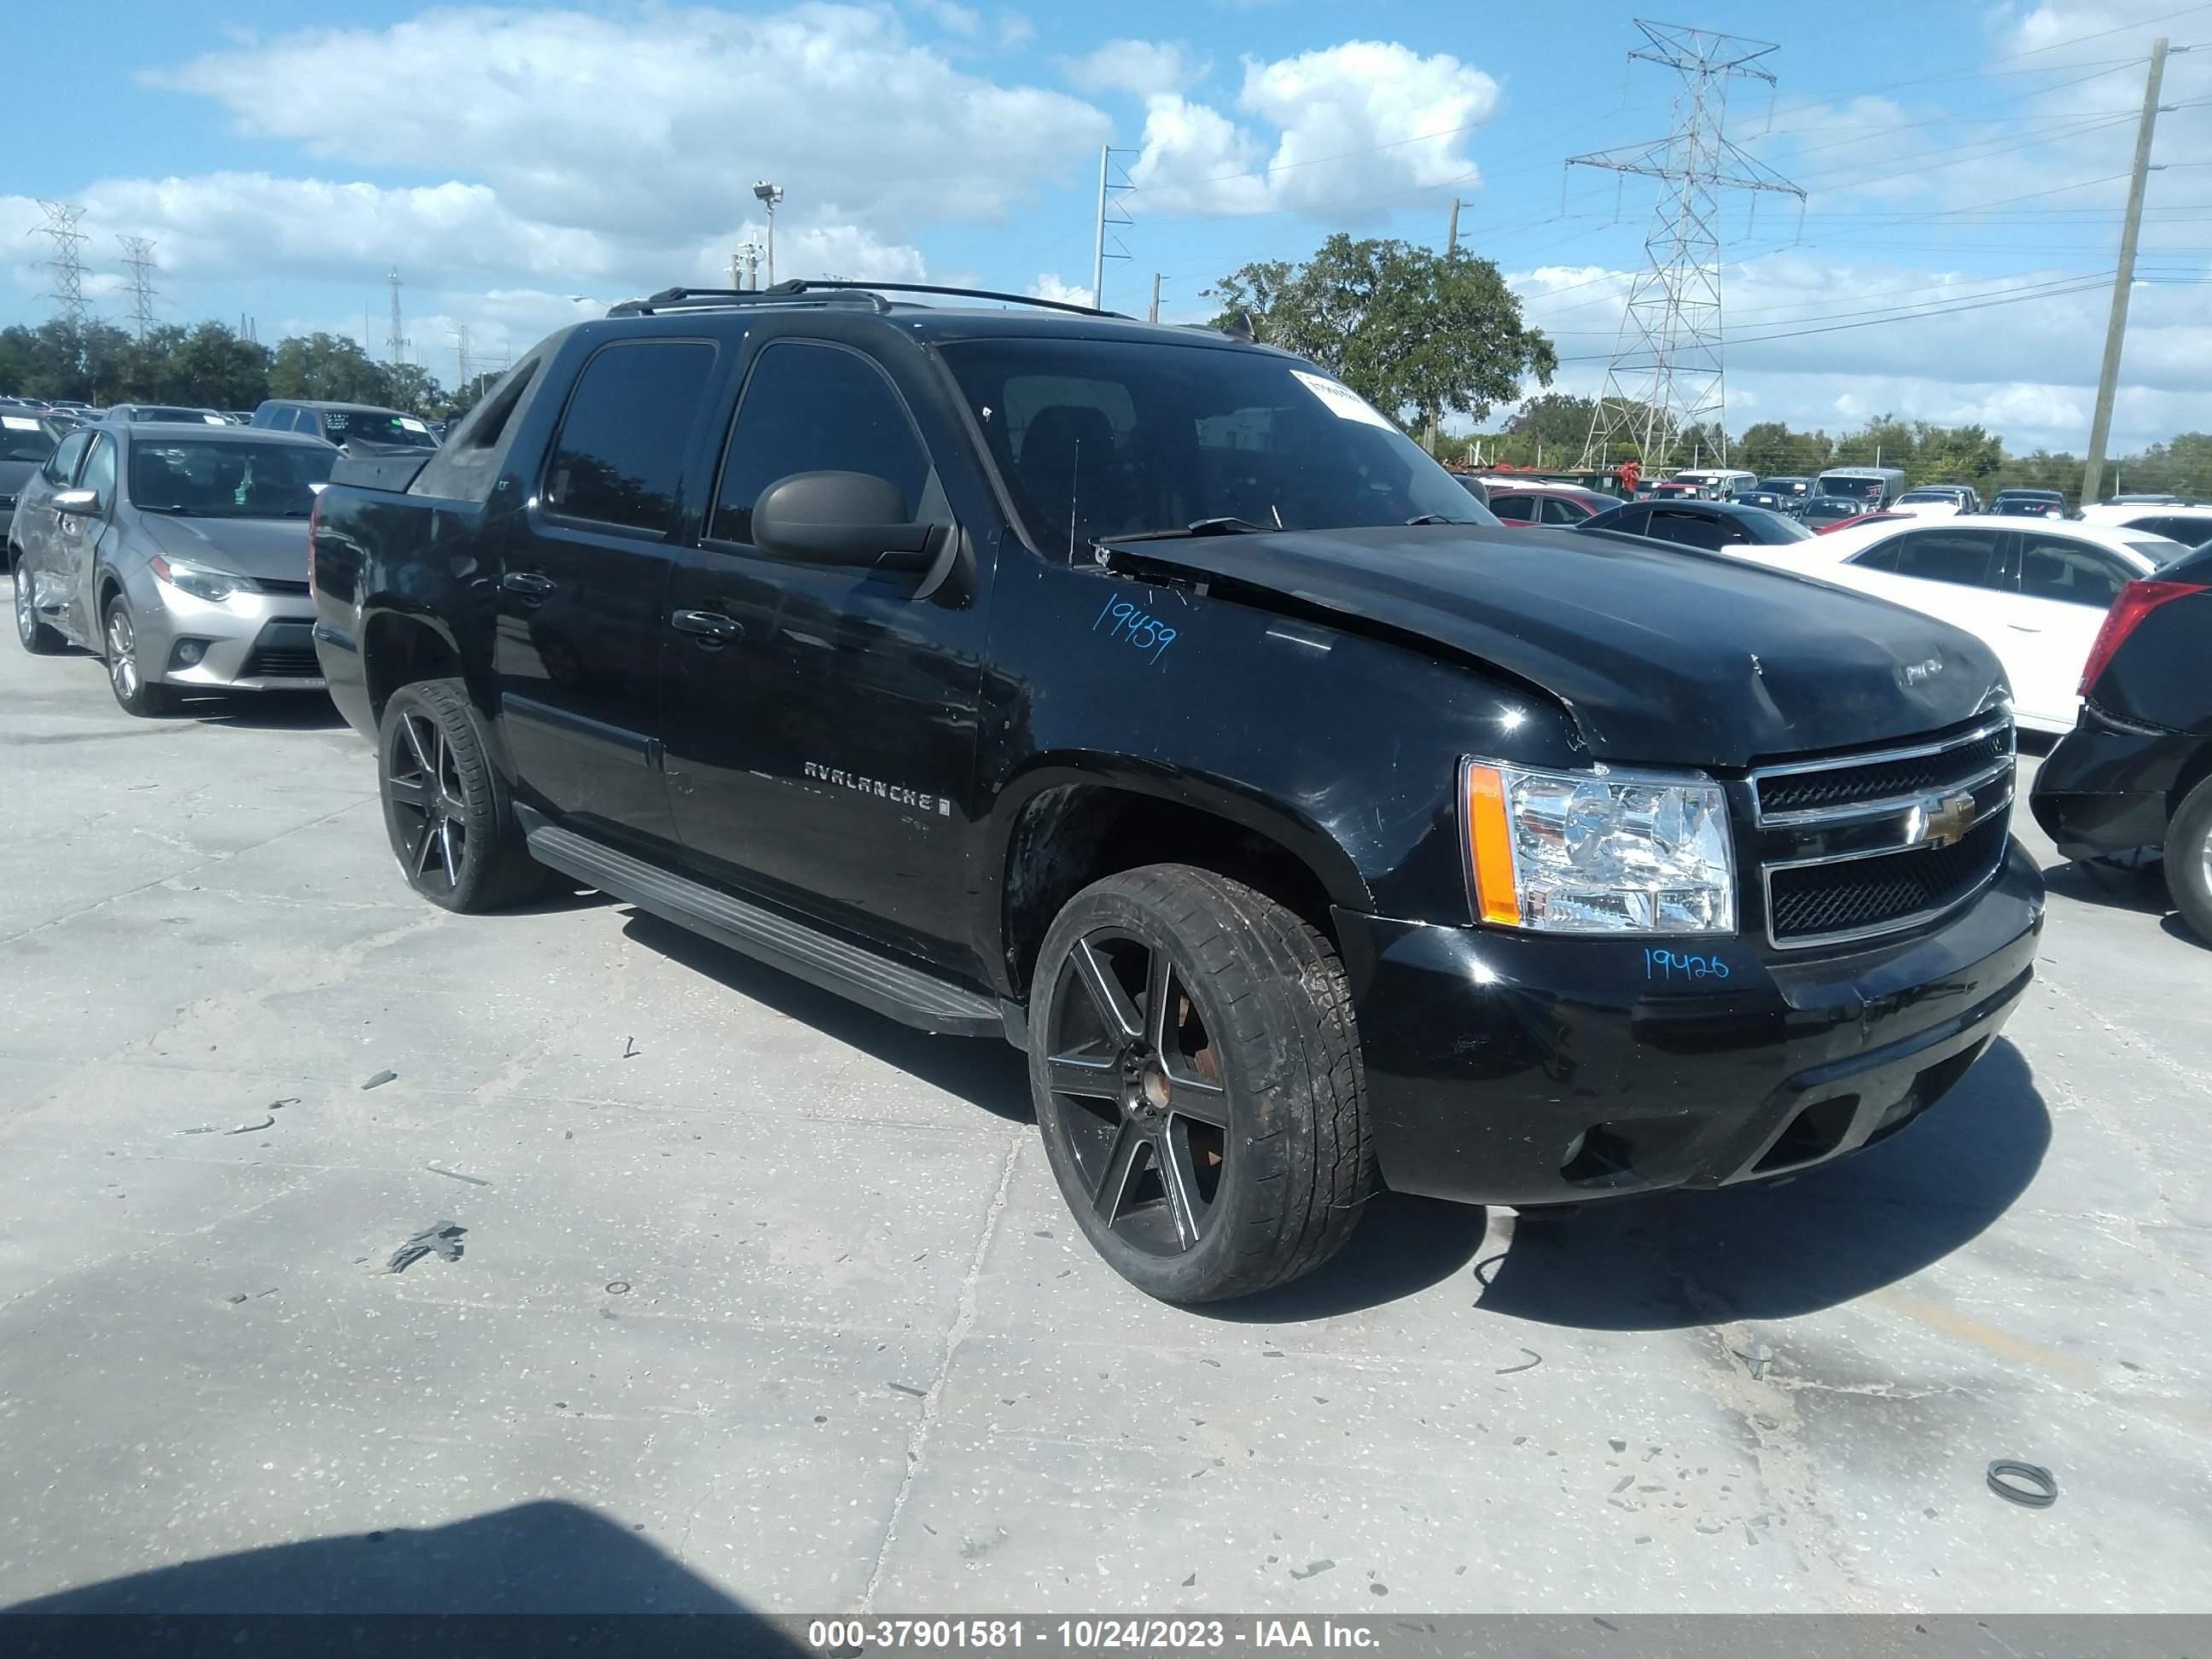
x,y
1661,654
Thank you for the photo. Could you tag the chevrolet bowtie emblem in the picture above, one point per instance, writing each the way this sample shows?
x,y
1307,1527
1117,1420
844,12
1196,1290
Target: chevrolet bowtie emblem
x,y
1939,820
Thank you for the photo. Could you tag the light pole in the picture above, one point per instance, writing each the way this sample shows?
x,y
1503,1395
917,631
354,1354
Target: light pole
x,y
769,195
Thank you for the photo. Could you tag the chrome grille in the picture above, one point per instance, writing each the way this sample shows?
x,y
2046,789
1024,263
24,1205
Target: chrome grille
x,y
1854,847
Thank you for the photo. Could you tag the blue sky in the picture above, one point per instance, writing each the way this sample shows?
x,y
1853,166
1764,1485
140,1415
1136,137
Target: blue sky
x,y
1961,163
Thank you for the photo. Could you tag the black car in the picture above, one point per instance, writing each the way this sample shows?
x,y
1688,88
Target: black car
x,y
2137,768
1794,489
1143,697
2029,503
1822,511
1712,525
357,429
1766,498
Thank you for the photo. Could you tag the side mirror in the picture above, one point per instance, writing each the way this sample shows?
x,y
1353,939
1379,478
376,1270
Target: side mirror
x,y
82,503
839,517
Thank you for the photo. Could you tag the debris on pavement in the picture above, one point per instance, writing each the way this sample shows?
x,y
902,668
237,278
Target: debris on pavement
x,y
1314,1569
2040,1491
455,1175
630,1050
380,1080
618,1288
1534,1360
442,1238
909,1387
279,1105
252,1128
1755,1359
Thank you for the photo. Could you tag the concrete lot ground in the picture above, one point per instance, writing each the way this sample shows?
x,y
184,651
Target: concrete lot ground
x,y
782,1312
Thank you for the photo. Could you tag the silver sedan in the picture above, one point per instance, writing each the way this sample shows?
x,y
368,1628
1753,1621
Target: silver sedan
x,y
177,553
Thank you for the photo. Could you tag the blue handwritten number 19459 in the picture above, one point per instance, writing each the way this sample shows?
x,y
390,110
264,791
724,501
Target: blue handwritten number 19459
x,y
1669,965
1134,628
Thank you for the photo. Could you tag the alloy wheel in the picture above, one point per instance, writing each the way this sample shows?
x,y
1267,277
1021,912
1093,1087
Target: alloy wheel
x,y
1139,1104
122,653
424,783
27,615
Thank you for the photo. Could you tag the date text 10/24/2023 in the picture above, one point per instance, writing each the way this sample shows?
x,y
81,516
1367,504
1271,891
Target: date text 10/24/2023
x,y
853,1636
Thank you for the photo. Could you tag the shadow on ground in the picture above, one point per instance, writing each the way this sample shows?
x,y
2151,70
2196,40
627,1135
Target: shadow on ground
x,y
984,1073
2136,884
542,1558
265,711
1772,1252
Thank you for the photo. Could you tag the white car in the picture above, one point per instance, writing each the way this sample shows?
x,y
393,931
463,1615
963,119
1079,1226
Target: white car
x,y
2035,590
1927,504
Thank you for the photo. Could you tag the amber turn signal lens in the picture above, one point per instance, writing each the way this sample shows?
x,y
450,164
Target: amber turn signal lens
x,y
1489,843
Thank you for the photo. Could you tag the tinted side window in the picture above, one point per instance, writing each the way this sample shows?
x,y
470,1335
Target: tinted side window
x,y
1881,557
1687,528
99,474
620,448
2070,572
1559,511
61,465
815,408
1965,558
1513,507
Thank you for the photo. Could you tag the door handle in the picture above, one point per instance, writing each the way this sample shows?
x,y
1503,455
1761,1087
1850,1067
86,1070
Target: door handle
x,y
708,624
528,582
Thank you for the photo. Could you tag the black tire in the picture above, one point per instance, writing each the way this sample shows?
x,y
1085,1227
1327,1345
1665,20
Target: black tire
x,y
1236,1144
446,808
118,638
2189,860
36,635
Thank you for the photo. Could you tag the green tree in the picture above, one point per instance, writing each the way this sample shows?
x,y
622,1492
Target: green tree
x,y
1418,334
328,365
412,388
466,397
1954,454
1770,448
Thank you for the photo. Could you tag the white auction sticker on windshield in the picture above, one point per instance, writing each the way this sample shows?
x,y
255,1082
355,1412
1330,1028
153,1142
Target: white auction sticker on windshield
x,y
1341,400
18,423
409,423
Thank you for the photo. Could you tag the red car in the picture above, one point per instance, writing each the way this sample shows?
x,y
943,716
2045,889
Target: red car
x,y
1523,504
1863,518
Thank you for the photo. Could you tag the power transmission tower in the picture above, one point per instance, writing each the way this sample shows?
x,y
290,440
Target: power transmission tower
x,y
138,280
1111,195
68,264
395,342
1666,375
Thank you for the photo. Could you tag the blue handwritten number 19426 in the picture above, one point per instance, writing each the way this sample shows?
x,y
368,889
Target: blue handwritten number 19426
x,y
1134,628
1670,964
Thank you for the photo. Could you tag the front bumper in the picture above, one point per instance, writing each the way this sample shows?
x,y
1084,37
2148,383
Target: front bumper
x,y
1504,1068
2106,789
247,642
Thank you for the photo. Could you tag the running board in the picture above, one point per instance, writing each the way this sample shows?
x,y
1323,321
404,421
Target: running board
x,y
904,994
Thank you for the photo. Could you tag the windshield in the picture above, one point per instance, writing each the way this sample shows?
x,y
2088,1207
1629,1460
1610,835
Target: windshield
x,y
1864,489
189,417
1783,486
1777,527
1101,438
23,438
376,426
2159,549
216,478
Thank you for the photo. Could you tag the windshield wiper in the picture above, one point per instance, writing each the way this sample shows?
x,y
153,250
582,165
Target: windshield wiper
x,y
1438,518
177,511
1224,527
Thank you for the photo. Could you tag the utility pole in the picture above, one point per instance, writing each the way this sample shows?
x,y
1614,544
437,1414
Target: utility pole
x,y
461,355
2116,331
1666,373
138,282
1153,315
68,262
1451,242
736,278
751,251
768,195
395,342
1110,195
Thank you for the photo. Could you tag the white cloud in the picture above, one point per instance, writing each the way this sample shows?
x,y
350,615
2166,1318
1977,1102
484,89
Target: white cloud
x,y
1048,286
953,19
1142,67
822,250
633,126
1355,125
1015,30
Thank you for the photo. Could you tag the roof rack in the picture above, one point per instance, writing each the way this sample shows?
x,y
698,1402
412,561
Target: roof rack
x,y
825,291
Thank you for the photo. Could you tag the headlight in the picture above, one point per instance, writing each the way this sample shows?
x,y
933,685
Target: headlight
x,y
1599,852
214,585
